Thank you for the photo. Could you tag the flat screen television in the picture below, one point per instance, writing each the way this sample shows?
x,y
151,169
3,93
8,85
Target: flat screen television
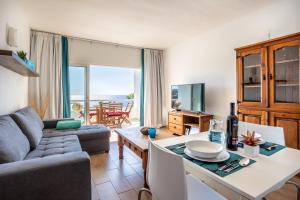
x,y
188,97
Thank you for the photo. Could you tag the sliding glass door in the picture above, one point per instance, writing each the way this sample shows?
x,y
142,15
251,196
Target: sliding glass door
x,y
78,92
90,85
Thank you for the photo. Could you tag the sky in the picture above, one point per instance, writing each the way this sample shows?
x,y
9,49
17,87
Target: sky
x,y
103,80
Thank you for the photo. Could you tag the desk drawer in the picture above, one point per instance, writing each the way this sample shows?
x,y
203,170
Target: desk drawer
x,y
175,119
175,128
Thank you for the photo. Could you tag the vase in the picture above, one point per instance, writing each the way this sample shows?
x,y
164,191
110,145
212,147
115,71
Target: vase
x,y
251,151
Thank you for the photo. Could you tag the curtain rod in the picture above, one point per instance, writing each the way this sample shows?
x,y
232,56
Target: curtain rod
x,y
91,40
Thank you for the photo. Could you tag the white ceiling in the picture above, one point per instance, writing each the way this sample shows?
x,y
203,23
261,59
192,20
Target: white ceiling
x,y
145,23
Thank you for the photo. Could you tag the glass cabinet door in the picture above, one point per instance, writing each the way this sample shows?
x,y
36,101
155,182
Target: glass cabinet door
x,y
251,78
285,74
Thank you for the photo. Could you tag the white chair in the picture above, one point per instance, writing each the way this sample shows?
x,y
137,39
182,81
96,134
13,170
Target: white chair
x,y
167,179
269,134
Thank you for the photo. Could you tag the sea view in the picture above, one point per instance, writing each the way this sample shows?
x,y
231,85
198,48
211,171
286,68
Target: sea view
x,y
94,99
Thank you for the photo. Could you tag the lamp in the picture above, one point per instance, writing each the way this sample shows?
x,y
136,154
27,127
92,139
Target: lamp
x,y
12,37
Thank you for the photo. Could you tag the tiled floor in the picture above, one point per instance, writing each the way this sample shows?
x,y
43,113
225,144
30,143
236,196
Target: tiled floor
x,y
115,179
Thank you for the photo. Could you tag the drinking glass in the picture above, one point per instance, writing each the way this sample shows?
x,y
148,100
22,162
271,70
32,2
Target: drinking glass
x,y
216,131
152,132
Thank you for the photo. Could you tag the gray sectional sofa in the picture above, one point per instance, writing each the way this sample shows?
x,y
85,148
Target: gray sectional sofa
x,y
39,162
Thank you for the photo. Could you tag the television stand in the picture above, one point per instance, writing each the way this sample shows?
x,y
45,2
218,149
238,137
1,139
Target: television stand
x,y
179,122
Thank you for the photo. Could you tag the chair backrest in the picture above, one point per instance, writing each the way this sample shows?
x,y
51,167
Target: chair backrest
x,y
115,107
166,175
129,107
269,133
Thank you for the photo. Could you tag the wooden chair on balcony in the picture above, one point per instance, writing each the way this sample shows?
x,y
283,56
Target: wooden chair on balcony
x,y
126,113
119,116
108,114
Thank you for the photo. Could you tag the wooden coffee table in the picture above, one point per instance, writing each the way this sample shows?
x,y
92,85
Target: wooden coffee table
x,y
138,143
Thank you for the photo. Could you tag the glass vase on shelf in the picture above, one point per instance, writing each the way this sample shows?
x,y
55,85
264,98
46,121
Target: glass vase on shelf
x,y
216,131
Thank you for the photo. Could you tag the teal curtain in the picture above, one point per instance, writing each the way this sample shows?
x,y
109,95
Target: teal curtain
x,y
65,78
142,90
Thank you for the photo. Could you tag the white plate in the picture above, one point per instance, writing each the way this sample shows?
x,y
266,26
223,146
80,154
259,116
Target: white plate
x,y
220,158
204,149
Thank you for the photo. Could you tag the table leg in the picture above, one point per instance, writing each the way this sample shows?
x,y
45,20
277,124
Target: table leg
x,y
144,165
121,146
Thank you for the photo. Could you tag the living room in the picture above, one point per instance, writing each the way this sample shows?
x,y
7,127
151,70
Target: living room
x,y
88,87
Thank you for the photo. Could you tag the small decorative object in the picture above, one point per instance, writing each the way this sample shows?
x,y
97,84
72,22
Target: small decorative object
x,y
31,65
152,132
250,79
216,132
251,144
144,130
12,37
187,130
177,105
22,55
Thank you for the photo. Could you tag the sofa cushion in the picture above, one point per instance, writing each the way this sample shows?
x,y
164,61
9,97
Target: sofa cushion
x,y
14,145
84,132
55,145
68,124
30,124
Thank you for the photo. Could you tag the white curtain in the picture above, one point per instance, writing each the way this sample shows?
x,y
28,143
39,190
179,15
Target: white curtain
x,y
153,88
45,92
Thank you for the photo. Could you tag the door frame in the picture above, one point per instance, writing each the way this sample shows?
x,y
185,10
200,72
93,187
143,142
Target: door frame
x,y
86,90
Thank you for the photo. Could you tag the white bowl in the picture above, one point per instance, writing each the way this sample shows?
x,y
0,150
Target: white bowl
x,y
204,149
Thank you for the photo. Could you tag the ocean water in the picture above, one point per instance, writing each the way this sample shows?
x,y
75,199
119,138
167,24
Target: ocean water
x,y
94,100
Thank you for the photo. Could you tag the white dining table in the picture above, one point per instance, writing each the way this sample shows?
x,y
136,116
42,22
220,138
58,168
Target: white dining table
x,y
267,174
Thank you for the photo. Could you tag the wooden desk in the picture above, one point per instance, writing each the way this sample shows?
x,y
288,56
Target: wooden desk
x,y
178,121
138,143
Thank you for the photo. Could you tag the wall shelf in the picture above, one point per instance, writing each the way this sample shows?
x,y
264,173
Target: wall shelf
x,y
13,62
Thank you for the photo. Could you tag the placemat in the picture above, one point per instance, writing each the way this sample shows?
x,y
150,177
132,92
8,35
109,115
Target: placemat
x,y
264,151
213,167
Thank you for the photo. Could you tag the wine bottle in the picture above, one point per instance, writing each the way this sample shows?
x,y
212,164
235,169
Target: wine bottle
x,y
232,129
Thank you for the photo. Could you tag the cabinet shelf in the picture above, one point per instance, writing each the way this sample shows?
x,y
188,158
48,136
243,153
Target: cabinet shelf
x,y
13,62
252,66
287,84
252,85
192,124
286,61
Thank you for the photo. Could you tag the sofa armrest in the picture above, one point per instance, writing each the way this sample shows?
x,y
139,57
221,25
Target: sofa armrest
x,y
51,123
63,177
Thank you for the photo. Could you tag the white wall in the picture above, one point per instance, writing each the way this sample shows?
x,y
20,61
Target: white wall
x,y
210,57
92,53
13,87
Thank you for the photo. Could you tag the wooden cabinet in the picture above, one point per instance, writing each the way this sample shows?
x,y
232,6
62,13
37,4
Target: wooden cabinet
x,y
268,85
179,121
175,124
253,116
291,125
